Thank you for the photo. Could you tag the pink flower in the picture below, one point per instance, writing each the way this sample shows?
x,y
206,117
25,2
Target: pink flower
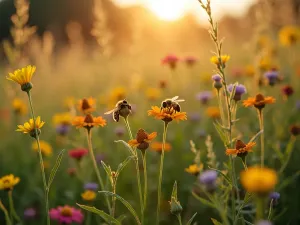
x,y
78,153
170,60
66,215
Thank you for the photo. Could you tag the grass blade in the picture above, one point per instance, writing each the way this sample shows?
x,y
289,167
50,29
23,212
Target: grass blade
x,y
55,168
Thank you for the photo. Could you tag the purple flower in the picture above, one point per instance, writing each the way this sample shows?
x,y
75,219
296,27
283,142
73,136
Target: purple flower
x,y
119,131
209,178
30,213
91,186
272,76
201,133
204,96
216,78
194,117
62,129
239,91
263,222
274,196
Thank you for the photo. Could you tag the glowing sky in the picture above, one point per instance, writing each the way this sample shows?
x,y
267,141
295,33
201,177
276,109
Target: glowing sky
x,y
173,9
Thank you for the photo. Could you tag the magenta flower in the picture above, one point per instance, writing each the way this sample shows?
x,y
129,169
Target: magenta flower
x,y
190,60
66,215
170,60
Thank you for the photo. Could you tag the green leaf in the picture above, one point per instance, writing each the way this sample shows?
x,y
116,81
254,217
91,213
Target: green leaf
x,y
108,218
108,172
121,218
203,201
191,220
125,203
127,146
55,168
288,181
248,223
221,134
215,222
123,164
174,191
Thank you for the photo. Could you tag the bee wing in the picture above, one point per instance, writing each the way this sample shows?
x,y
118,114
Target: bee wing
x,y
111,111
180,100
174,98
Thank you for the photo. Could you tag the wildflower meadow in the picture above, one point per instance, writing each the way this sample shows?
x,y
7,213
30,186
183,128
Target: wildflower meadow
x,y
169,131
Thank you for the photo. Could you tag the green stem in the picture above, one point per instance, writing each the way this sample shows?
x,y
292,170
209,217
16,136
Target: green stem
x,y
91,151
137,167
260,208
179,219
161,172
88,219
7,219
144,154
289,152
13,213
262,137
114,201
46,188
244,163
221,108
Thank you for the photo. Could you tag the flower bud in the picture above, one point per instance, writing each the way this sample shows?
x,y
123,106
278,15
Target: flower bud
x,y
176,208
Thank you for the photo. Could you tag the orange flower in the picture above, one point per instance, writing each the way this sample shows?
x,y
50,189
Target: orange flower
x,y
142,139
259,101
88,121
194,169
157,146
213,112
166,114
241,149
87,106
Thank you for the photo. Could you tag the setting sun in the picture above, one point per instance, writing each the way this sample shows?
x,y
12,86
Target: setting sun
x,y
167,9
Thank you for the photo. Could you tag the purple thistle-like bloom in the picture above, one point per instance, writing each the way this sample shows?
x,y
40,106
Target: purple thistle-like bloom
x,y
204,96
274,196
272,76
209,178
239,91
62,129
216,78
30,213
263,222
91,186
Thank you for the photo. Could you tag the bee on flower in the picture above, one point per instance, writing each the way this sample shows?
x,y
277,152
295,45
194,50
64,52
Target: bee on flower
x,y
8,182
23,77
122,108
31,127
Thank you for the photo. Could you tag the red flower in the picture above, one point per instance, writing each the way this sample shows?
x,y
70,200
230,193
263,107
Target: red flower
x,y
170,60
78,153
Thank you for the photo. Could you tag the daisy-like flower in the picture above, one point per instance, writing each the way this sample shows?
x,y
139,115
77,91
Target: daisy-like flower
x,y
78,153
213,112
259,101
46,148
170,60
220,63
19,106
8,182
66,215
23,77
166,114
241,149
87,105
31,126
142,139
259,180
289,35
88,121
157,147
88,195
194,169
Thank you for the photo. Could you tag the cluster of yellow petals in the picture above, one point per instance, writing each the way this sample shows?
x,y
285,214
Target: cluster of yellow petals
x,y
289,35
88,195
8,182
157,147
166,114
62,118
22,76
215,59
194,169
88,121
29,126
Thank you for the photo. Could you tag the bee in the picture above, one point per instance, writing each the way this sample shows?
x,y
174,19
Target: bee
x,y
172,103
122,108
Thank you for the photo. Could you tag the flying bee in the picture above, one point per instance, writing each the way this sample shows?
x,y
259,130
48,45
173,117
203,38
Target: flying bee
x,y
122,108
172,103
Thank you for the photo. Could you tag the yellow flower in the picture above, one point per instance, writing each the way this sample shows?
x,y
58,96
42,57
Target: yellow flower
x,y
166,114
62,118
213,112
194,169
19,106
142,139
259,180
157,147
250,70
87,106
69,102
241,149
152,93
259,101
265,63
88,195
88,121
46,148
8,182
23,77
29,128
215,60
289,35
